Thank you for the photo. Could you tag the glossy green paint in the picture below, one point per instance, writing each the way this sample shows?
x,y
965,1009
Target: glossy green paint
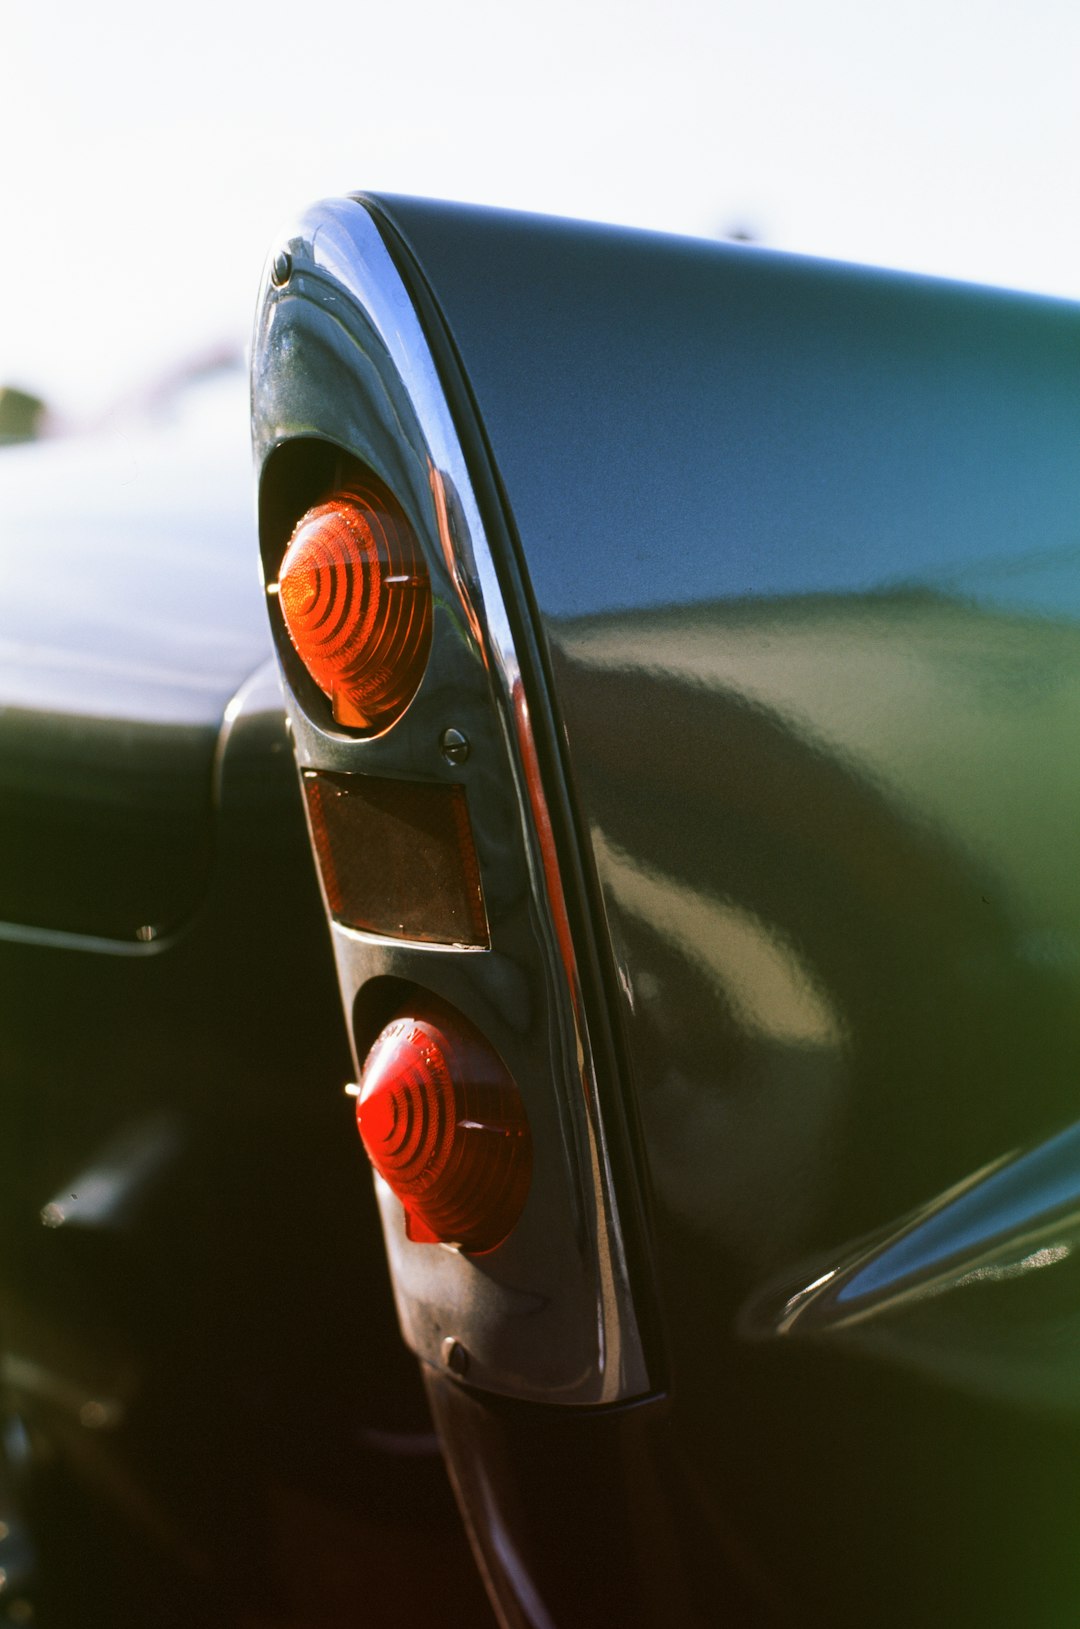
x,y
803,543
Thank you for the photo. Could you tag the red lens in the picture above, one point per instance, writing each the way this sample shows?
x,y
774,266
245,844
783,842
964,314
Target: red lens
x,y
445,1127
356,599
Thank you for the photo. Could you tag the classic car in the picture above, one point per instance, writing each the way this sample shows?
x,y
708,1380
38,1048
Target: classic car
x,y
679,654
679,644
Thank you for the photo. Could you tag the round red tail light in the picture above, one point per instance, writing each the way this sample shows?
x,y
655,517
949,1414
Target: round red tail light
x,y
445,1127
356,599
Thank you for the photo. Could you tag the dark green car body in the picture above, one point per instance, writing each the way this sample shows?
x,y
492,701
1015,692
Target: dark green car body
x,y
790,554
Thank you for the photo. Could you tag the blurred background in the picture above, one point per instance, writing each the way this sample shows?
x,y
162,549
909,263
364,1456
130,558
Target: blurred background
x,y
150,154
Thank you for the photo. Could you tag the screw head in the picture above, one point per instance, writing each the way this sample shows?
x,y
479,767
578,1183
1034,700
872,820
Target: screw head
x,y
455,1356
281,270
97,1416
455,746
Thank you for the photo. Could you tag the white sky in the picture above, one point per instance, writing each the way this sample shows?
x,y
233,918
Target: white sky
x,y
148,154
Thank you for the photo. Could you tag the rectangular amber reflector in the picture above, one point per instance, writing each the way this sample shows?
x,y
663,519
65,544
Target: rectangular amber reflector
x,y
397,857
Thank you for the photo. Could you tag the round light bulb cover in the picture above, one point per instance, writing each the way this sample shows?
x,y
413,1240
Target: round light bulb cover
x,y
445,1127
356,600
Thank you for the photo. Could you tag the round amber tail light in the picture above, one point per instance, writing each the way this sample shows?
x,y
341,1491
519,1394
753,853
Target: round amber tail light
x,y
445,1127
356,599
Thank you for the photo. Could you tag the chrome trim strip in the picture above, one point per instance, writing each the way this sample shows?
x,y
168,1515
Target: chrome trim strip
x,y
16,933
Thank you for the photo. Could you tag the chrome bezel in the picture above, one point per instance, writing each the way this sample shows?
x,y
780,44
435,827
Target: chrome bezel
x,y
549,1315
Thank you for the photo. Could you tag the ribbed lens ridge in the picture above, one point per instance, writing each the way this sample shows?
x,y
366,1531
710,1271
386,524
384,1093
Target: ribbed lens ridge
x,y
356,600
445,1126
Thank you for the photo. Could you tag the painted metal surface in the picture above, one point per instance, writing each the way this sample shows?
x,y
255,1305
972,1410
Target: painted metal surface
x,y
130,616
803,542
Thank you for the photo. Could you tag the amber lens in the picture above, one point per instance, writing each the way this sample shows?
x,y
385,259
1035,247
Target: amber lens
x,y
397,857
356,599
444,1125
